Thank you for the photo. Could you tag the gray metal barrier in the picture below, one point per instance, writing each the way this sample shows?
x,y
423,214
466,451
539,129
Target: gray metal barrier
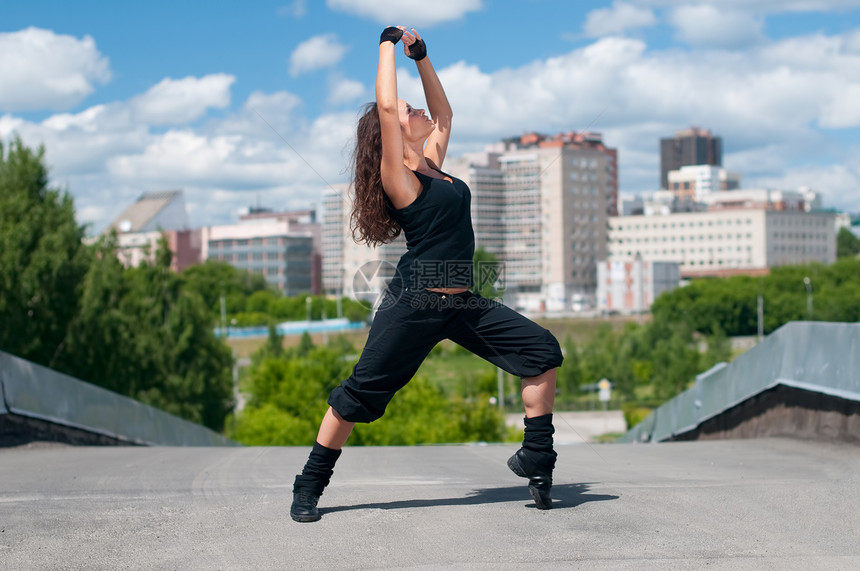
x,y
32,391
813,356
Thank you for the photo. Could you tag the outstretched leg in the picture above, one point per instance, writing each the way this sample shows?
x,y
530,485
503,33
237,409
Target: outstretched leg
x,y
536,459
315,476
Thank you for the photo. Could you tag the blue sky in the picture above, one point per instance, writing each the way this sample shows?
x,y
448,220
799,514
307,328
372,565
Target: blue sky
x,y
135,97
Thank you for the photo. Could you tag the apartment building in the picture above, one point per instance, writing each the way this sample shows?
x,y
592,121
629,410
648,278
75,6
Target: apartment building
x,y
727,241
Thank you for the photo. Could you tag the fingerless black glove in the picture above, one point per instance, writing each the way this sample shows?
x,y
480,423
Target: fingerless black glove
x,y
391,34
418,50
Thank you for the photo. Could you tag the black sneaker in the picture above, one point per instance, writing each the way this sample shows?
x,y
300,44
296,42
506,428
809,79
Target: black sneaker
x,y
540,478
304,506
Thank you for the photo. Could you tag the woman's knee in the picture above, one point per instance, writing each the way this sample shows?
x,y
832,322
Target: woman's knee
x,y
551,351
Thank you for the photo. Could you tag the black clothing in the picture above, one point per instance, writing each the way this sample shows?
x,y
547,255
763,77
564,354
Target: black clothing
x,y
440,242
409,323
317,471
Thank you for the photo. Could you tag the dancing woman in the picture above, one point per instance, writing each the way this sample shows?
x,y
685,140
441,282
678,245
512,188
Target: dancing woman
x,y
400,186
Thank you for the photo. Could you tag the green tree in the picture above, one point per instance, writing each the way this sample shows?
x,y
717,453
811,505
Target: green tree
x,y
42,260
488,275
288,396
570,372
142,333
597,358
676,363
420,413
847,244
212,279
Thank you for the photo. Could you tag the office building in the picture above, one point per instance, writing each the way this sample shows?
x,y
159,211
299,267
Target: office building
x,y
283,256
726,241
298,221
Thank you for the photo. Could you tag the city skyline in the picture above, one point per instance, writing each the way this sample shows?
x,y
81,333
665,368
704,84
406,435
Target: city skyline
x,y
257,103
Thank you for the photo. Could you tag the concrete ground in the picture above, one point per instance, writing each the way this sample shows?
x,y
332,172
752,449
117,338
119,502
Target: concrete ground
x,y
746,504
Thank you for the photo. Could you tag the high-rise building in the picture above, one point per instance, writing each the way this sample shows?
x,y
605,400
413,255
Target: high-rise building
x,y
693,146
351,269
539,205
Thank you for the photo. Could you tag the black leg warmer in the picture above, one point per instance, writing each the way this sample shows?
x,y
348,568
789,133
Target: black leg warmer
x,y
317,471
538,440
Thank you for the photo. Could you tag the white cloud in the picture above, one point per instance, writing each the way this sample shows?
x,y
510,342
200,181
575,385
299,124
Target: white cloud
x,y
771,92
43,70
342,90
407,12
263,112
296,9
179,101
706,25
843,110
838,184
764,102
315,53
852,43
617,19
770,6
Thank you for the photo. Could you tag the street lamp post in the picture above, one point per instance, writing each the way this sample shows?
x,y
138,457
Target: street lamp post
x,y
808,283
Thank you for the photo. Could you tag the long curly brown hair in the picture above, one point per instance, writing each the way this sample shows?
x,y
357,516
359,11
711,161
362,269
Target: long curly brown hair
x,y
371,222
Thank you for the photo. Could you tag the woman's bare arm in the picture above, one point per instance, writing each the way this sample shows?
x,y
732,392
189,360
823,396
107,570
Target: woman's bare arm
x,y
399,183
437,104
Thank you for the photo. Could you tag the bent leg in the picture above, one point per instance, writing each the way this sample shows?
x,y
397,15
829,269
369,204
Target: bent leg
x,y
507,339
524,348
538,393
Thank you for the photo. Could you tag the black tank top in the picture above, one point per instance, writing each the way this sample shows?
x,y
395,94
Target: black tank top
x,y
440,241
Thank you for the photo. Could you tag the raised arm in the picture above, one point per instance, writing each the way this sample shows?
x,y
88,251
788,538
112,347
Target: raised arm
x,y
434,94
399,183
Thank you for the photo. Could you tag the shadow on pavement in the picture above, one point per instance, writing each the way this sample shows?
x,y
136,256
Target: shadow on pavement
x,y
563,496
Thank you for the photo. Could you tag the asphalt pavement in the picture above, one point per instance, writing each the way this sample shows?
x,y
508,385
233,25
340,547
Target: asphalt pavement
x,y
744,504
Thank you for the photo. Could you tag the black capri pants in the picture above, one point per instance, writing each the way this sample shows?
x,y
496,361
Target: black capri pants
x,y
410,322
